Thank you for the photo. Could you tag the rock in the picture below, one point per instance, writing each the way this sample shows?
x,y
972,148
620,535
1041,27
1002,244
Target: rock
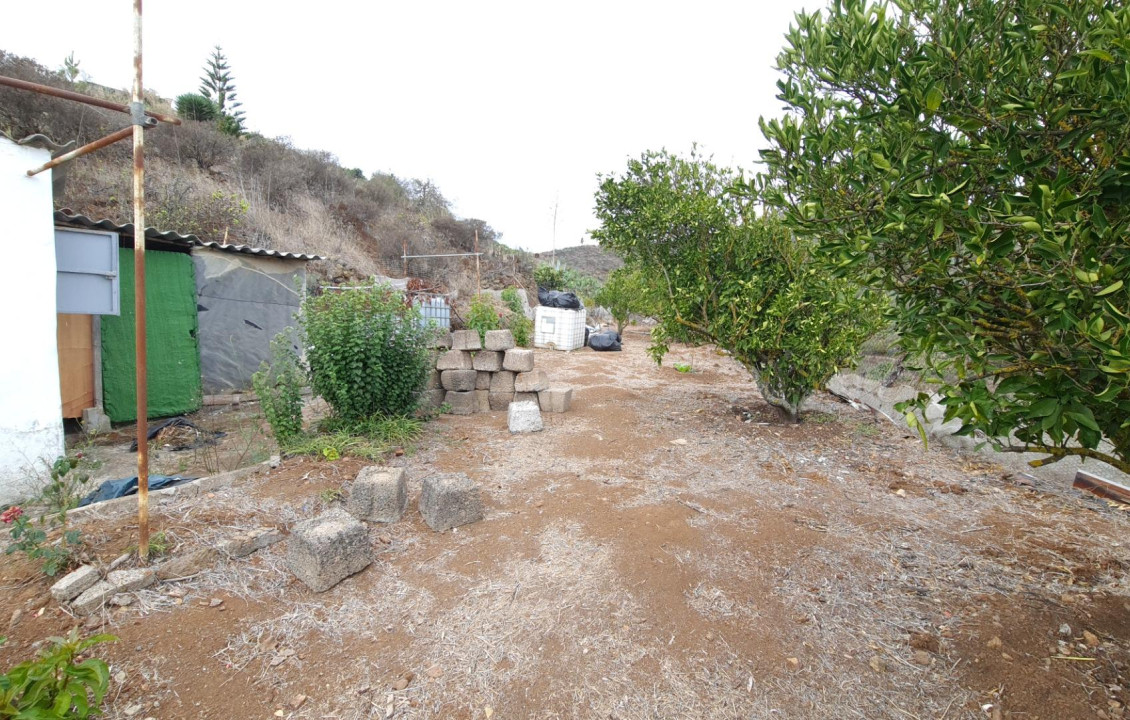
x,y
404,681
119,561
487,361
502,382
460,403
274,461
326,549
435,671
925,641
433,398
459,380
532,381
921,657
466,340
877,664
524,417
454,360
379,494
556,398
75,582
215,602
122,600
93,598
482,401
17,615
499,340
248,542
793,663
1090,638
125,581
482,381
500,400
526,397
433,380
994,643
448,501
187,565
518,360
297,702
1065,630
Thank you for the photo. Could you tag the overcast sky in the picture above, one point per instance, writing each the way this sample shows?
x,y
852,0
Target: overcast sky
x,y
511,108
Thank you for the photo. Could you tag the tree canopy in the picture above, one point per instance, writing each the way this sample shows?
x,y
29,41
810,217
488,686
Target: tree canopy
x,y
972,157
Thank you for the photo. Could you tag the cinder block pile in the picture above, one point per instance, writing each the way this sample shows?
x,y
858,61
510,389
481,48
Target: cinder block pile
x,y
471,377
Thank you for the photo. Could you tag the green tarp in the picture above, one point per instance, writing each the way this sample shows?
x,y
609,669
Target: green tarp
x,y
173,353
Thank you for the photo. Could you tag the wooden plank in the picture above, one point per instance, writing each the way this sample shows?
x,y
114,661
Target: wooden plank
x,y
1102,487
76,363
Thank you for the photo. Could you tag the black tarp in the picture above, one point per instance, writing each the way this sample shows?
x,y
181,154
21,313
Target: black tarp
x,y
556,299
128,486
607,341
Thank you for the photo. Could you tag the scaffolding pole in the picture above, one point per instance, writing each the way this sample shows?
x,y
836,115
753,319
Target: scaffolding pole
x,y
137,114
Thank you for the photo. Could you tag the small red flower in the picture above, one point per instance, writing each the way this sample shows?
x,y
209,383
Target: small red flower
x,y
10,515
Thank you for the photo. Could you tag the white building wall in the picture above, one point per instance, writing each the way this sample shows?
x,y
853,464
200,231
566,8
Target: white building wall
x,y
31,424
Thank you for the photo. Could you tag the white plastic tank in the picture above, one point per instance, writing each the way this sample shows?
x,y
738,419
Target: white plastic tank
x,y
559,329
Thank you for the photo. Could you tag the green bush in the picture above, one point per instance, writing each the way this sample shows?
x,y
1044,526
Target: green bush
x,y
191,106
516,322
279,388
627,293
482,316
57,685
549,277
367,352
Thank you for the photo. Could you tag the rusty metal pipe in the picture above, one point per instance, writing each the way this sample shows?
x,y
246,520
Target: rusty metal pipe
x,y
79,152
79,97
140,345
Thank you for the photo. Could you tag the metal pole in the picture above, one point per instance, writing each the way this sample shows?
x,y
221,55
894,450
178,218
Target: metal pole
x,y
404,256
141,369
79,97
79,152
478,278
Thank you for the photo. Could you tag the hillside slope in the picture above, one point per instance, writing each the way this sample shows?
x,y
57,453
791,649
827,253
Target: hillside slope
x,y
258,191
591,260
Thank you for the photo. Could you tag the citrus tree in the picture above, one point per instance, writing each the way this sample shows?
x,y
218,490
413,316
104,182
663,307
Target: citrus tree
x,y
972,157
729,277
628,292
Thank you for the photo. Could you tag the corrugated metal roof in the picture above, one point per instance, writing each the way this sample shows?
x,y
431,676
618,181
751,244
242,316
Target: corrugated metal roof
x,y
261,252
67,217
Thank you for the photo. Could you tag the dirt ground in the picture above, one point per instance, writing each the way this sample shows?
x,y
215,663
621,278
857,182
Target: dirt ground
x,y
670,548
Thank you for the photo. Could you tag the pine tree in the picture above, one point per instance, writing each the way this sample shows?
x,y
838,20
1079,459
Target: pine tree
x,y
218,86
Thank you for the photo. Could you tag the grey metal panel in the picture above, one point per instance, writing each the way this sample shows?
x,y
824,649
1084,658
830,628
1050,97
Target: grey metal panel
x,y
87,281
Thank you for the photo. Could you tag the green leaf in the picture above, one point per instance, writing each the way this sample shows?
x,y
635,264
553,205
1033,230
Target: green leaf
x,y
933,99
1113,287
880,162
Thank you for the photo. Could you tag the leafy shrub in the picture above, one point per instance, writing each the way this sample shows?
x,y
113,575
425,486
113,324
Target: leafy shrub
x,y
626,293
279,388
367,352
549,277
69,476
482,316
734,279
54,686
192,106
511,299
520,326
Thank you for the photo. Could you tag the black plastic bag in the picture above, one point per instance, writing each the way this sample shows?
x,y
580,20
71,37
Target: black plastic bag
x,y
128,486
556,299
607,341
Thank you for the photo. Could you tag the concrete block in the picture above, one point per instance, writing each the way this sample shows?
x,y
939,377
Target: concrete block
x,y
499,340
93,598
454,360
461,403
183,566
433,398
95,422
500,401
502,382
433,379
324,550
556,398
443,340
75,583
124,581
518,360
524,417
379,494
532,381
245,543
448,501
466,340
482,382
527,397
487,361
459,380
482,401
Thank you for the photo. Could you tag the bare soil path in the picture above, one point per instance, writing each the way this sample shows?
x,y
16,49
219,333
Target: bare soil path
x,y
670,548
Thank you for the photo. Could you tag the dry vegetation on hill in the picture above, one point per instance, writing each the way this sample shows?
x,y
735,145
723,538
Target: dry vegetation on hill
x,y
256,190
591,260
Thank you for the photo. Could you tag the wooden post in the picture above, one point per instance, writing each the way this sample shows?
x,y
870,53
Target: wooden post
x,y
140,367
